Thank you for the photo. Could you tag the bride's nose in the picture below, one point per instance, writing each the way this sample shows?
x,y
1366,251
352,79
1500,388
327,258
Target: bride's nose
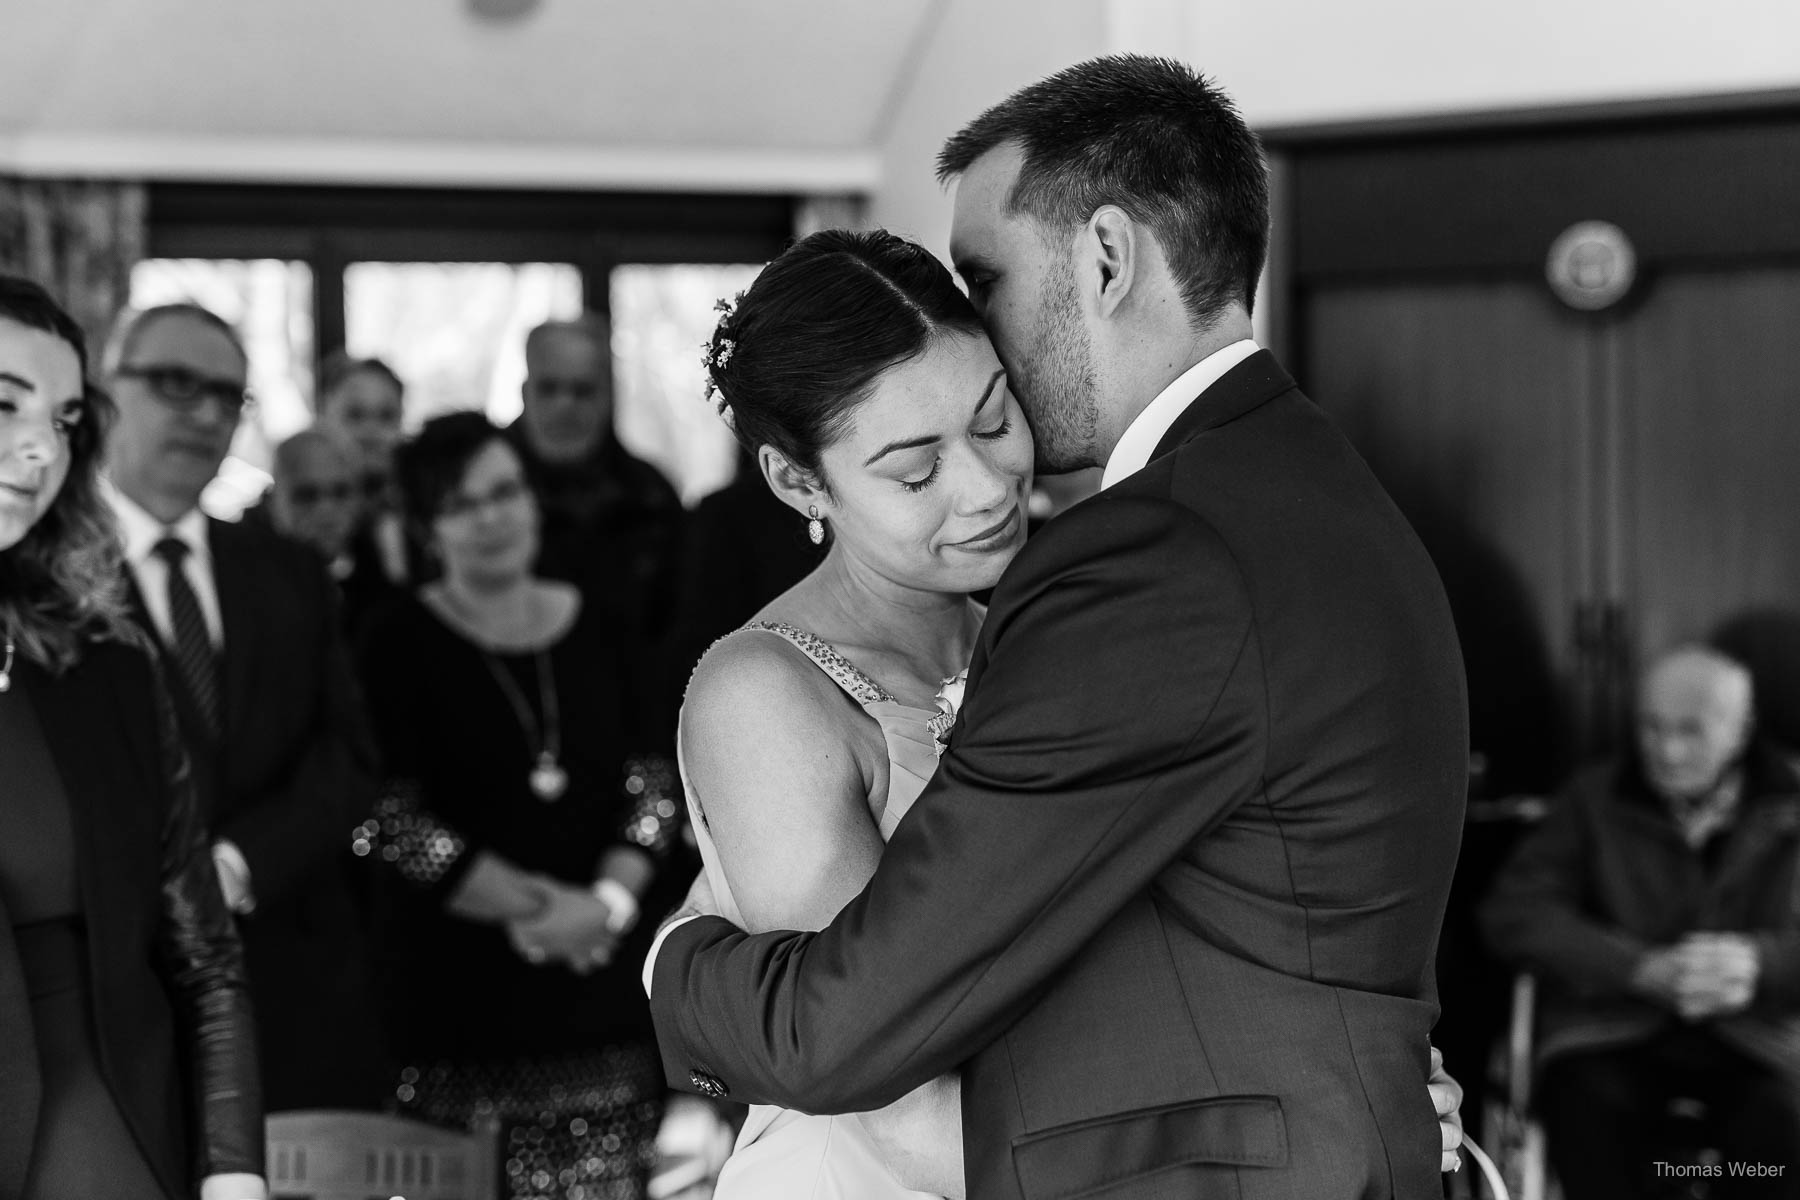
x,y
986,488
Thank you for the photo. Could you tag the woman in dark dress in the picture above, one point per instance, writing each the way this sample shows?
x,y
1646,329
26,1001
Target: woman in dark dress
x,y
523,837
127,1054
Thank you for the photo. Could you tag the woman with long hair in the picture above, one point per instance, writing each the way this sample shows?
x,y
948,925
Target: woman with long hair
x,y
127,1054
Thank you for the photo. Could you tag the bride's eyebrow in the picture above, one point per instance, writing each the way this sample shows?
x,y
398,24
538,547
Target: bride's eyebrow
x,y
909,443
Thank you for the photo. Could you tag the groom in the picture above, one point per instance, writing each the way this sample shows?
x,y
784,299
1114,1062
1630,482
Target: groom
x,y
1171,902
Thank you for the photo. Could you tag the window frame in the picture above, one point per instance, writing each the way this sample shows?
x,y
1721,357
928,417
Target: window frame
x,y
328,228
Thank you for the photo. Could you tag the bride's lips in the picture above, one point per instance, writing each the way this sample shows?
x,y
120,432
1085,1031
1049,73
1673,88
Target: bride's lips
x,y
995,535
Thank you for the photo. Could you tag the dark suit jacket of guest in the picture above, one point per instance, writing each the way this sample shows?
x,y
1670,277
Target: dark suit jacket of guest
x,y
287,782
1607,877
1171,901
137,837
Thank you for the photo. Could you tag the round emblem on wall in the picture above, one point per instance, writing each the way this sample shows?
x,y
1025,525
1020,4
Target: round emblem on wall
x,y
1591,265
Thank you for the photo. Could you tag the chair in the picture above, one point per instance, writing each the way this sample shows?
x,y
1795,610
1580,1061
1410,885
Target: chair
x,y
1507,1121
332,1155
1512,1128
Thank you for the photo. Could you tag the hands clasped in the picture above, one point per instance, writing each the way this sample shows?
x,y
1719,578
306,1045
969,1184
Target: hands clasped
x,y
571,927
1704,975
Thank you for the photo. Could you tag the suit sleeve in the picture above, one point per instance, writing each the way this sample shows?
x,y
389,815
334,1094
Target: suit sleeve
x,y
1117,717
306,817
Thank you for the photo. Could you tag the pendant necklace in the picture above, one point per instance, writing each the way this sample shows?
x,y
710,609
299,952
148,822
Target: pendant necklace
x,y
548,778
7,666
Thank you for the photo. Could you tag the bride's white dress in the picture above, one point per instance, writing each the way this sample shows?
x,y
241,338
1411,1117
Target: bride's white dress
x,y
787,1155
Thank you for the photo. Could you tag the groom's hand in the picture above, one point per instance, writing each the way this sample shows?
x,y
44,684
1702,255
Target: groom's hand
x,y
700,902
1446,1097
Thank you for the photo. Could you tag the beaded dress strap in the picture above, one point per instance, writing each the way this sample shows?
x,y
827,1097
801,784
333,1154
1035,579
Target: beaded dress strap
x,y
843,672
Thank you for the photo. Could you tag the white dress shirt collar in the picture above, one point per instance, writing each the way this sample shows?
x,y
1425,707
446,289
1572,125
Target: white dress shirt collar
x,y
141,531
1139,442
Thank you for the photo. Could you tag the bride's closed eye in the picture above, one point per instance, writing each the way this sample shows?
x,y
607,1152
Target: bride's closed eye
x,y
987,435
920,485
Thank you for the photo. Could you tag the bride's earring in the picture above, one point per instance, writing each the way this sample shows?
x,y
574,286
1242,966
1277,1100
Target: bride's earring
x,y
815,528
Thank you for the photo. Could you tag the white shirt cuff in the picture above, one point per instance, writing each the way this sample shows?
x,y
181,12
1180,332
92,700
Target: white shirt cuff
x,y
650,958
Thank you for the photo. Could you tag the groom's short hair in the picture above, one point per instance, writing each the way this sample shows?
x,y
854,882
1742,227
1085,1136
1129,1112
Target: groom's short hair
x,y
1154,137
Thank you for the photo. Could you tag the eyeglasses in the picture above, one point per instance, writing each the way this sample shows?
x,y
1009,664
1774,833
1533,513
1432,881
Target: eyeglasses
x,y
508,491
305,495
183,387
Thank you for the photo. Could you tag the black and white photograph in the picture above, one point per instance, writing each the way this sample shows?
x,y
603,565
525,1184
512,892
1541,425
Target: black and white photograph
x,y
922,600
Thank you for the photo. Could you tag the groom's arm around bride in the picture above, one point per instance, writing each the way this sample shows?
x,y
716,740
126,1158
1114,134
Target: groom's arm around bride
x,y
1171,902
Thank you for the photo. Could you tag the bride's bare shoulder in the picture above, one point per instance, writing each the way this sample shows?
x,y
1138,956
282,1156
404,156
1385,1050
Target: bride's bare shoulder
x,y
758,680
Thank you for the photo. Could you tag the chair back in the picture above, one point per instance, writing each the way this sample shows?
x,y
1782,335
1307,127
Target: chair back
x,y
332,1155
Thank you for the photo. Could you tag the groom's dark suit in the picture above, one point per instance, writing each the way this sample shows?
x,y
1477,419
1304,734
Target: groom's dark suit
x,y
1172,900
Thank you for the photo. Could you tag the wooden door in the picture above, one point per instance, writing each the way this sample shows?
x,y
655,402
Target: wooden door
x,y
1469,400
1710,422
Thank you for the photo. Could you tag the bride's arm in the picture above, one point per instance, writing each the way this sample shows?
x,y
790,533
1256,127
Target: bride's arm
x,y
783,764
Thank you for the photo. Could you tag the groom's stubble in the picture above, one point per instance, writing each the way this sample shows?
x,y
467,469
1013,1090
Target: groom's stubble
x,y
1055,382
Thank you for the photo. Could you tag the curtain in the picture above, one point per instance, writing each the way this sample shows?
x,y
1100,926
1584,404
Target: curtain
x,y
79,238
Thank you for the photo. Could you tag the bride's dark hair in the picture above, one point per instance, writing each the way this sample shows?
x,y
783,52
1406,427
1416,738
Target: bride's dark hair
x,y
806,343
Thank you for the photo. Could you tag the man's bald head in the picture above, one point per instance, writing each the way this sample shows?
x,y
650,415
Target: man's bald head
x,y
1695,707
316,498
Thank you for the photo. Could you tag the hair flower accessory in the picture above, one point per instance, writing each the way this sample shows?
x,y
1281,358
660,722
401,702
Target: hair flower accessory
x,y
949,703
716,352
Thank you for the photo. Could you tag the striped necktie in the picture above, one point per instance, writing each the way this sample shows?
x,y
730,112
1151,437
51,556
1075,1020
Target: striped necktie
x,y
193,644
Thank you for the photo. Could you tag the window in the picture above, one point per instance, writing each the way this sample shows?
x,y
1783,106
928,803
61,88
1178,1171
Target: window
x,y
443,284
454,332
662,315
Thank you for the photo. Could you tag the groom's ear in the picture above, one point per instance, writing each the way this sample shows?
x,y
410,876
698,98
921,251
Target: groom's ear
x,y
793,486
1111,248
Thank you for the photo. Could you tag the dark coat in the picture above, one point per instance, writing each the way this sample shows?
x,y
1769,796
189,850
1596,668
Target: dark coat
x,y
1607,876
171,1013
1171,900
287,782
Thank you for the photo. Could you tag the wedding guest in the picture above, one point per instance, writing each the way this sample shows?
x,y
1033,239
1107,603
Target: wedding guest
x,y
610,521
362,401
267,706
315,499
1655,904
524,836
127,1049
314,495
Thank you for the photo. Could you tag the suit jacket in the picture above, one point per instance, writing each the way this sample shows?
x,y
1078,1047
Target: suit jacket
x,y
171,1015
286,782
1172,899
1607,876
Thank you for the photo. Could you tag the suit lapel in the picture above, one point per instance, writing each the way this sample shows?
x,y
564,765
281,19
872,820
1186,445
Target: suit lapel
x,y
233,576
1253,382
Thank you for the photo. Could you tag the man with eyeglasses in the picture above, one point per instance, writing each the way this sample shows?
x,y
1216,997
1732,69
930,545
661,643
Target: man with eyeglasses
x,y
268,709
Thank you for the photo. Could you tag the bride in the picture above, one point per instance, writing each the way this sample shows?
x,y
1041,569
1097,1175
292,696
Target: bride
x,y
859,375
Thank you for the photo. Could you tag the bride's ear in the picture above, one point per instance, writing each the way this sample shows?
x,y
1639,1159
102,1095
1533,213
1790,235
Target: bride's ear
x,y
795,487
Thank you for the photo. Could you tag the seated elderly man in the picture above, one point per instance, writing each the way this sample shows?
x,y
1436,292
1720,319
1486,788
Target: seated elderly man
x,y
1657,904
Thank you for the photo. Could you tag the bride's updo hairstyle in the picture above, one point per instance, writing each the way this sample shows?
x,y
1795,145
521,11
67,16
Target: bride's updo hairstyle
x,y
807,342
